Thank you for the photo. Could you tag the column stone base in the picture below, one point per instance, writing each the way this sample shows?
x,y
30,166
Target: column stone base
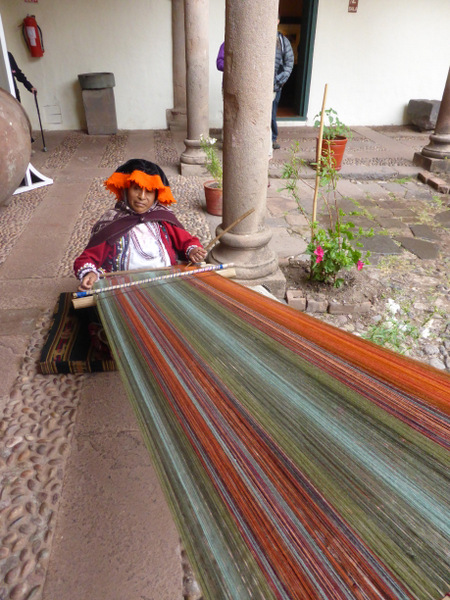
x,y
193,159
193,153
188,170
254,263
275,283
434,165
176,119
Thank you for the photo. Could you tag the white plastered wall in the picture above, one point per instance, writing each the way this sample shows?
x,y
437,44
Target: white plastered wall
x,y
374,61
130,39
377,59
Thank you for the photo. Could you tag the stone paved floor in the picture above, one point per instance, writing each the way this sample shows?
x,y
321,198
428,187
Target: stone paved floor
x,y
82,512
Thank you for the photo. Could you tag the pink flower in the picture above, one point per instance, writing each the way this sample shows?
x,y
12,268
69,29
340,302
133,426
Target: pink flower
x,y
319,254
359,265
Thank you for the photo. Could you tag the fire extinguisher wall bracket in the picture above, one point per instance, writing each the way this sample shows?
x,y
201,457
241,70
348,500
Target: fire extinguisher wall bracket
x,y
32,34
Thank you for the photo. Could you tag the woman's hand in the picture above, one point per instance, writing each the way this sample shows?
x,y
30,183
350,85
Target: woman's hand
x,y
197,254
88,281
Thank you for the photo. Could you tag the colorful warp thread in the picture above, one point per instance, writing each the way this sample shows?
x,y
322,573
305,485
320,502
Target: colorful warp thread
x,y
300,462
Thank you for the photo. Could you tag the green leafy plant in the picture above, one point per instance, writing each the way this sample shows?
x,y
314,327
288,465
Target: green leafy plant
x,y
438,202
337,246
332,126
402,180
331,251
395,331
213,162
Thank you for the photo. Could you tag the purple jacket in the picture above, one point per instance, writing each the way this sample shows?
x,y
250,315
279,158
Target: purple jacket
x,y
220,57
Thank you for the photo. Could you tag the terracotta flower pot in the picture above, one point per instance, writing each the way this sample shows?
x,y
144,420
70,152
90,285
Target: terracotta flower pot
x,y
213,196
335,148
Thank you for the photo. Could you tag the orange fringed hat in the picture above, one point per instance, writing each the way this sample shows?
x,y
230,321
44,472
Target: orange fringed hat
x,y
146,174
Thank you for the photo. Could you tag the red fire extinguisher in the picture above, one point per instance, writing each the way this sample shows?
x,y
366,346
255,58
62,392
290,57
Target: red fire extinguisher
x,y
33,36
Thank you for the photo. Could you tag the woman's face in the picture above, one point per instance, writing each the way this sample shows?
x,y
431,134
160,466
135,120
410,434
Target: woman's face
x,y
140,199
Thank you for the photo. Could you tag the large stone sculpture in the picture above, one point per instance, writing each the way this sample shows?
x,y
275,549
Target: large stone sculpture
x,y
15,144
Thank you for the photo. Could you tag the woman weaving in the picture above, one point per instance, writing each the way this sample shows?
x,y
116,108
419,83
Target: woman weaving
x,y
141,231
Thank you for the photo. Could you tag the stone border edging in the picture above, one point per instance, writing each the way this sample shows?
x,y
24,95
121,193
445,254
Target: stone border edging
x,y
297,299
433,180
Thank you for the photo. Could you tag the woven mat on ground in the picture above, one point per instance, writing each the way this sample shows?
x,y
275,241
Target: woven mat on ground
x,y
300,461
75,342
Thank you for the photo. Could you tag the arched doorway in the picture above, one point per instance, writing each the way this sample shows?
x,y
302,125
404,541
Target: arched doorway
x,y
298,23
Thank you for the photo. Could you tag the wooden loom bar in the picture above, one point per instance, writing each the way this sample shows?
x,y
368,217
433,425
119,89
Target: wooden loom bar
x,y
153,279
88,298
318,160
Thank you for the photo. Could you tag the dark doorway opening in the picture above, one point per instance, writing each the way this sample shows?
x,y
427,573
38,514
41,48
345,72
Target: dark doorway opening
x,y
298,23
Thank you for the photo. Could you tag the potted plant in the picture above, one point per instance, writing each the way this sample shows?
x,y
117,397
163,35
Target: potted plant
x,y
213,188
335,136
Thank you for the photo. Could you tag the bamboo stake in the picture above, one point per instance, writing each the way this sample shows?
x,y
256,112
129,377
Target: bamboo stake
x,y
318,159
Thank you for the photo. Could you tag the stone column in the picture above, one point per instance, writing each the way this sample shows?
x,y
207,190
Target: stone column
x,y
248,95
196,23
434,157
176,116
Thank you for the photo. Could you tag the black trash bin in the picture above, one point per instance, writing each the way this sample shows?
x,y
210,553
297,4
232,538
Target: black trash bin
x,y
99,104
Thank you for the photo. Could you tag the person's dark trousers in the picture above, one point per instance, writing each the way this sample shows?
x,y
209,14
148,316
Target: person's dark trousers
x,y
275,103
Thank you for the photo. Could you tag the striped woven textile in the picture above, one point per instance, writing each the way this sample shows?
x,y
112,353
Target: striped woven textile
x,y
299,461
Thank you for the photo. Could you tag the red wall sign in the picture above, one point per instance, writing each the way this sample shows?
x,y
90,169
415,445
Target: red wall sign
x,y
352,5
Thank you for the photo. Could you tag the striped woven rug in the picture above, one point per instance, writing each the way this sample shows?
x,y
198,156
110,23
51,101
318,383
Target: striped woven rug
x,y
299,461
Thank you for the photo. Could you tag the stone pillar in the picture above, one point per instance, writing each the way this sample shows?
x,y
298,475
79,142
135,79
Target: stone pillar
x,y
176,116
196,24
248,95
434,157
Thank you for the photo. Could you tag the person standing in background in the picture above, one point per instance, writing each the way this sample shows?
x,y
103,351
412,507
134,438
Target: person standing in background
x,y
221,57
284,63
19,76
